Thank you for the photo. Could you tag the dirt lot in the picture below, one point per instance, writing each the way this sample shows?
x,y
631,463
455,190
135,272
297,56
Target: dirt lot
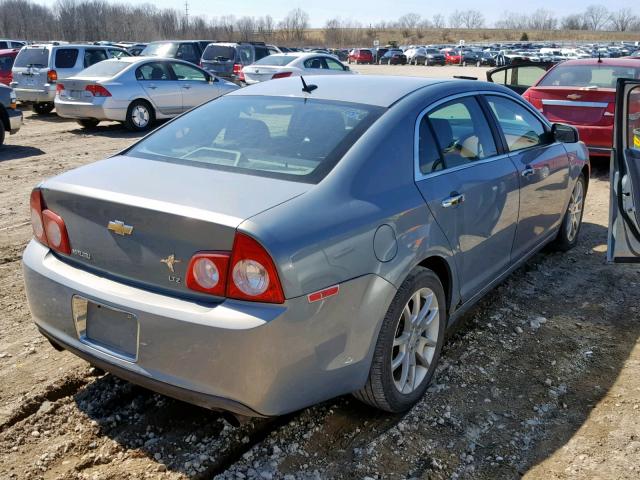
x,y
541,380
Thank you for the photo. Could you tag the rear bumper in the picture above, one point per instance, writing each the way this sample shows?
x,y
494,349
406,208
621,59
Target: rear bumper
x,y
252,359
15,120
40,95
103,109
599,140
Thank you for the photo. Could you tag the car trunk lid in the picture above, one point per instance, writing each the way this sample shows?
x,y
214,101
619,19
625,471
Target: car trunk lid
x,y
140,221
577,106
260,73
76,89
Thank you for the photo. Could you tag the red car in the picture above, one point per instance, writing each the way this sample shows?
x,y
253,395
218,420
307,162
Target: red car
x,y
452,57
6,63
582,93
360,55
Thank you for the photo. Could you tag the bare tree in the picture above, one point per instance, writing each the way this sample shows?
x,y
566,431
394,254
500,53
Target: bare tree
x,y
472,19
575,21
245,26
295,24
438,21
455,19
513,21
596,16
542,19
623,20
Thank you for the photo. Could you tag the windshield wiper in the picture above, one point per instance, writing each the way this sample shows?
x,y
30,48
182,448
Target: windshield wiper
x,y
30,65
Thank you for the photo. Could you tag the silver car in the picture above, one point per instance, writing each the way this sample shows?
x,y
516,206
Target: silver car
x,y
136,91
294,241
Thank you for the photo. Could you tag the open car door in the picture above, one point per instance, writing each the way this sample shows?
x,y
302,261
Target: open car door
x,y
623,243
519,77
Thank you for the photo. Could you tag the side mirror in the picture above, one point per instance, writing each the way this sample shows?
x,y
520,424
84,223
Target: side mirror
x,y
565,133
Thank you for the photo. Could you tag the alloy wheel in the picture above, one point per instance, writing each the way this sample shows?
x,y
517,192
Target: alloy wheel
x,y
574,211
415,341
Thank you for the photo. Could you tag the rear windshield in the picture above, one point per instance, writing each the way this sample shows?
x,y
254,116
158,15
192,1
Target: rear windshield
x,y
276,60
104,69
601,76
290,138
66,57
32,57
219,52
162,49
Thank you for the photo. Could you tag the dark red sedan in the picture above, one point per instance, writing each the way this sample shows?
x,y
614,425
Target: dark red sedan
x,y
582,93
6,63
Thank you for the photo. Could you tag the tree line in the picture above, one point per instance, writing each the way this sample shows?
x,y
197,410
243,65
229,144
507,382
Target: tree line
x,y
91,20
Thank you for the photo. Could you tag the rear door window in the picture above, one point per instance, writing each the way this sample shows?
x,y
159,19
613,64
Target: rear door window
x,y
333,64
5,64
153,71
66,57
94,55
187,73
462,132
3,45
219,52
315,62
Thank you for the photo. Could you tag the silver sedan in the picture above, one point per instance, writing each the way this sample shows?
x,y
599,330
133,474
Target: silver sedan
x,y
136,91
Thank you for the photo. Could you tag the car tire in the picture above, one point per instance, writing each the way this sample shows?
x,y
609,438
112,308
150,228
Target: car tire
x,y
426,62
88,123
140,116
1,133
43,108
568,234
388,387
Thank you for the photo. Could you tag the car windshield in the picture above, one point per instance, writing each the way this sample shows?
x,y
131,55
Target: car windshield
x,y
104,69
32,57
290,138
219,52
599,76
276,60
162,49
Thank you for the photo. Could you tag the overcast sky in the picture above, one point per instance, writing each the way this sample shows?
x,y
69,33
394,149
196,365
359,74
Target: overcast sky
x,y
372,11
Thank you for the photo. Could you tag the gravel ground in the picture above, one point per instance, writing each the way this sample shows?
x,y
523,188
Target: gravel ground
x,y
540,380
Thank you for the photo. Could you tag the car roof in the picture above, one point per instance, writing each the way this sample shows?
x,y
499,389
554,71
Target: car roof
x,y
378,90
614,62
9,51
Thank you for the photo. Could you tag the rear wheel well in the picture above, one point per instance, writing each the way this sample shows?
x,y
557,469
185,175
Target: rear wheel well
x,y
440,267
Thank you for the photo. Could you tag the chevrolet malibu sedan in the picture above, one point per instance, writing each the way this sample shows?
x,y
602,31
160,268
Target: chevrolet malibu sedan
x,y
136,91
294,241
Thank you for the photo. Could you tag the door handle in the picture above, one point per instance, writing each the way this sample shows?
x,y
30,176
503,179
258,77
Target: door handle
x,y
152,87
453,200
528,171
186,87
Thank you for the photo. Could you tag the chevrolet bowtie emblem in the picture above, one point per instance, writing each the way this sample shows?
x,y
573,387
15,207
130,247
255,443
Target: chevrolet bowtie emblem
x,y
170,261
116,226
574,96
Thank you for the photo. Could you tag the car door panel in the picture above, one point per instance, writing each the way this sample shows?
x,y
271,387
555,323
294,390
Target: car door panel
x,y
157,82
623,242
519,77
194,86
543,171
473,198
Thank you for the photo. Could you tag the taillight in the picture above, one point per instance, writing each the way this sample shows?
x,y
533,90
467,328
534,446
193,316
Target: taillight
x,y
252,273
281,75
37,224
56,232
97,90
52,76
207,272
59,88
48,227
245,273
237,70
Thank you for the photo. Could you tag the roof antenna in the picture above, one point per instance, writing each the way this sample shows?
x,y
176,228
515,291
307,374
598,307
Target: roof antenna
x,y
307,88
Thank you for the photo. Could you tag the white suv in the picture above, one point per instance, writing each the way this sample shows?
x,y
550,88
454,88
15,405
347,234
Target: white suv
x,y
37,69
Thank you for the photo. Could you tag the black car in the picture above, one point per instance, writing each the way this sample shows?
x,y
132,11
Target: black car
x,y
226,59
379,53
187,50
487,59
10,116
393,57
434,57
470,57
